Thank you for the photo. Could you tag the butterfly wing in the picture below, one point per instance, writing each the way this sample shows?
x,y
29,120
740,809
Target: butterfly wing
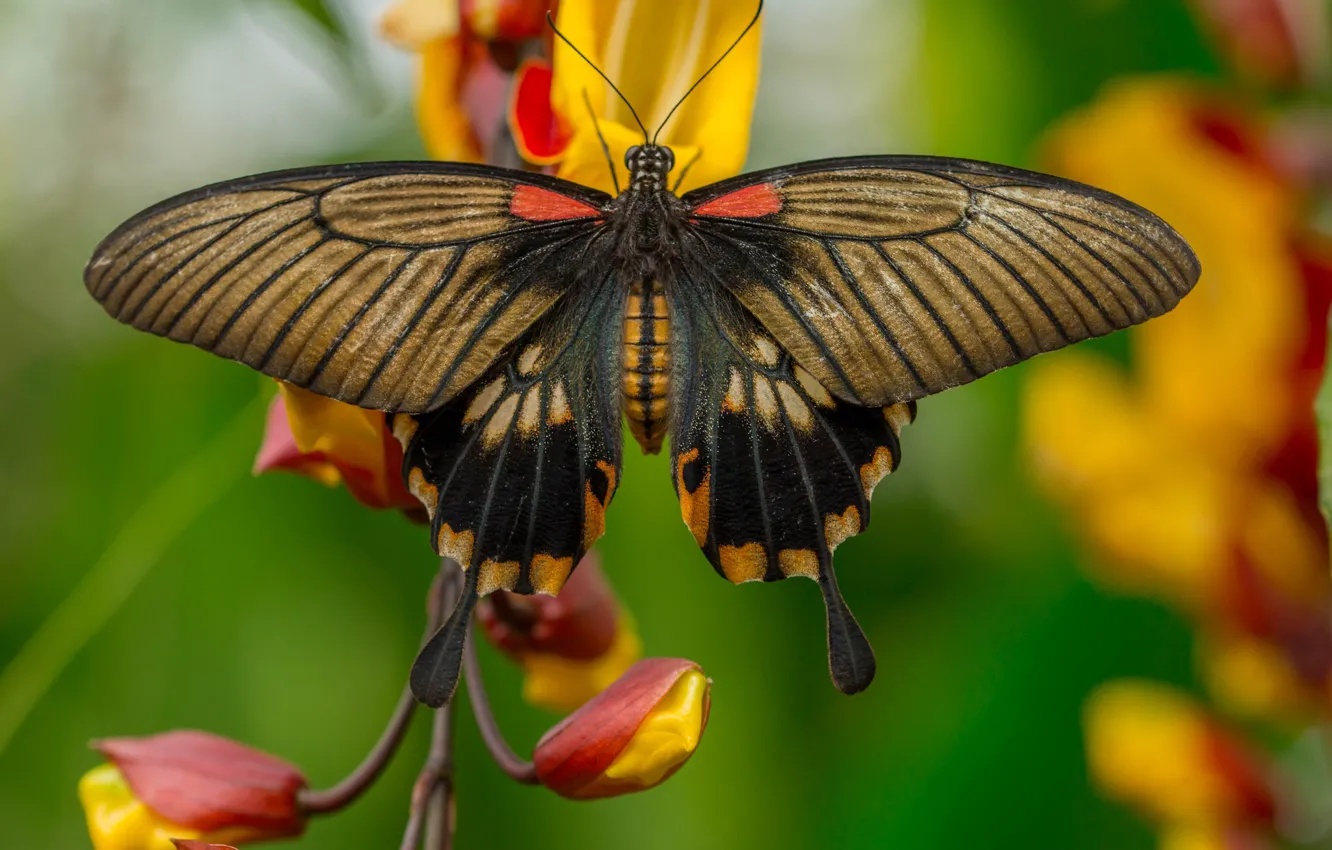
x,y
891,278
771,470
386,285
518,470
818,301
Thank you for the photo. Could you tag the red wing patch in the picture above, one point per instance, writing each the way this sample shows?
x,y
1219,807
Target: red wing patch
x,y
750,202
536,204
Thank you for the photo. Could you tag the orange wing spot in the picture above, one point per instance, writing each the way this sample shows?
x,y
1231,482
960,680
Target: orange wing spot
x,y
749,202
798,562
496,575
549,573
455,544
424,491
694,506
536,204
899,416
838,528
594,510
404,428
743,563
876,470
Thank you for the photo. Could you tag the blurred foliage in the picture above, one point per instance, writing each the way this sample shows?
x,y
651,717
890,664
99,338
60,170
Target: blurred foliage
x,y
287,616
324,15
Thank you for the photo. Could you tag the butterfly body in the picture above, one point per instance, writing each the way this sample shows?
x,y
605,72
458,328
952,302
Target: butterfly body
x,y
778,326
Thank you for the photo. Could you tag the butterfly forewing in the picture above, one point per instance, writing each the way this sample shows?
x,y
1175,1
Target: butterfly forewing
x,y
891,278
391,286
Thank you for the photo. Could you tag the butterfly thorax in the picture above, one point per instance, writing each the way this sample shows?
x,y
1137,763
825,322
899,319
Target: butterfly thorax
x,y
647,215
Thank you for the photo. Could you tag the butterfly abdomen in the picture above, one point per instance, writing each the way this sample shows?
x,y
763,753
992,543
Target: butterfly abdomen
x,y
647,363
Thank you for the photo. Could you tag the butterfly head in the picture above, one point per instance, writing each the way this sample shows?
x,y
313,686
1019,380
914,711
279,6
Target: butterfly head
x,y
648,165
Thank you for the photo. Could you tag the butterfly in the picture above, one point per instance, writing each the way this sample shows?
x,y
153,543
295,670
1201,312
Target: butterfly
x,y
778,326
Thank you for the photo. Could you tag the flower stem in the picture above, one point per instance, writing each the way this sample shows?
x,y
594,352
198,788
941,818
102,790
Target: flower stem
x,y
517,768
432,813
346,792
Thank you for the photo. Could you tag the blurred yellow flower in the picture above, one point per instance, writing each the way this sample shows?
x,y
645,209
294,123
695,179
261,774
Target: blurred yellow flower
x,y
462,85
1192,476
1153,747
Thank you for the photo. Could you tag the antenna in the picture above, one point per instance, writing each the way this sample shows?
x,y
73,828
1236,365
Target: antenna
x,y
551,21
713,67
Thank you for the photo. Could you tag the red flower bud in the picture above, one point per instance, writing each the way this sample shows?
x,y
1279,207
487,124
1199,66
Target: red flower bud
x,y
630,737
579,623
210,784
182,844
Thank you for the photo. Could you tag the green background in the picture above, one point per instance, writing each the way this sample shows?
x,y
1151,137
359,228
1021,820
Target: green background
x,y
285,615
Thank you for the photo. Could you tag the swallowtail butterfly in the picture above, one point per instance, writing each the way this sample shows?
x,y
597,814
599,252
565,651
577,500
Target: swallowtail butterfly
x,y
779,326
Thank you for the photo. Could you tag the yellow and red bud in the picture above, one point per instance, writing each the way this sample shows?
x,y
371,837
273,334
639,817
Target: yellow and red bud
x,y
192,786
632,736
182,844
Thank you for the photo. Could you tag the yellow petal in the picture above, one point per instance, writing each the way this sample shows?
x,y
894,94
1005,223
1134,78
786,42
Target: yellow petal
x,y
1148,744
666,739
1253,678
117,820
445,129
333,428
411,24
654,52
563,684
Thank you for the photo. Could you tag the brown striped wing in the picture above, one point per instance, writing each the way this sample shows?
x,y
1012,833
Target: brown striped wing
x,y
386,285
891,278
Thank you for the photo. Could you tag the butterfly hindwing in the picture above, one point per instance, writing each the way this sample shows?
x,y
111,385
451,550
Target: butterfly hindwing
x,y
518,470
892,278
772,471
386,285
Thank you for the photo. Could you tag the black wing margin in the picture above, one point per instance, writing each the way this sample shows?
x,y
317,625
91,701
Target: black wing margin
x,y
385,285
892,278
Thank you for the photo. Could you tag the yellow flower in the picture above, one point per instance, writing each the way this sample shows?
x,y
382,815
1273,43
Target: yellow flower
x,y
654,52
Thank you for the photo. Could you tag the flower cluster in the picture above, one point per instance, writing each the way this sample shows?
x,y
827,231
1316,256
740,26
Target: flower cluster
x,y
493,86
1192,474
